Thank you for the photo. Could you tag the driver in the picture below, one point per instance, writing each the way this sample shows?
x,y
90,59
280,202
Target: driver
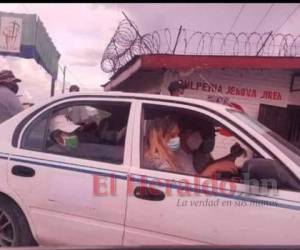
x,y
198,146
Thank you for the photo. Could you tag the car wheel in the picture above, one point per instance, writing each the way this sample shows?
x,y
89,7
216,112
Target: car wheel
x,y
14,229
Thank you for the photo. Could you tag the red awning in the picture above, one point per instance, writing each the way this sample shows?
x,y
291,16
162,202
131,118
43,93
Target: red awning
x,y
206,62
184,62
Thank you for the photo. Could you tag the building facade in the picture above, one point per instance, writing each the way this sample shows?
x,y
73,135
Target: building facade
x,y
267,88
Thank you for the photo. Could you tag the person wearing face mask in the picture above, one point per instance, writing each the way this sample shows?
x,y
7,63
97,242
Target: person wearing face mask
x,y
198,148
163,151
64,135
198,139
162,143
176,88
190,141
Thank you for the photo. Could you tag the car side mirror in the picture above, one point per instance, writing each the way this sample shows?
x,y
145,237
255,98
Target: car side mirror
x,y
269,174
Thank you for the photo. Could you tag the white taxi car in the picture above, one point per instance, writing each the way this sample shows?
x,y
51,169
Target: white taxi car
x,y
104,195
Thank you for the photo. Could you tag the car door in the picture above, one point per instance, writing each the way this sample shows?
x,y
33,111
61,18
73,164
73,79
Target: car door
x,y
174,208
73,200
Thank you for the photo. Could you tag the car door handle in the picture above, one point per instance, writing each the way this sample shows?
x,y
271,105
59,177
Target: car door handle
x,y
23,171
147,193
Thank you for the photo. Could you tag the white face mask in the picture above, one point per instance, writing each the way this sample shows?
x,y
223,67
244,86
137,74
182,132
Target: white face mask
x,y
194,141
174,143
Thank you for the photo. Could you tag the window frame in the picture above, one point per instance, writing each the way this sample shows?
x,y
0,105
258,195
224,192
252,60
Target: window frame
x,y
34,123
170,177
79,101
230,124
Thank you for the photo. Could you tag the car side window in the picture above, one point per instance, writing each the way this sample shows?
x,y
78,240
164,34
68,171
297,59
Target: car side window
x,y
87,130
188,142
34,135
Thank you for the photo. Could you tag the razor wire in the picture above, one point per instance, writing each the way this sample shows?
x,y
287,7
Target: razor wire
x,y
127,43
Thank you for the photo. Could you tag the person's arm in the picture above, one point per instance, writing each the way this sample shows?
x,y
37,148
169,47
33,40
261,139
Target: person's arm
x,y
235,151
15,106
217,167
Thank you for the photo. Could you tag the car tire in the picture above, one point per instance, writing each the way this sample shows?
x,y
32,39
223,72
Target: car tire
x,y
14,228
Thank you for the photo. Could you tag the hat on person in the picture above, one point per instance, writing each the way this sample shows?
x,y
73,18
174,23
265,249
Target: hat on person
x,y
7,76
60,122
175,85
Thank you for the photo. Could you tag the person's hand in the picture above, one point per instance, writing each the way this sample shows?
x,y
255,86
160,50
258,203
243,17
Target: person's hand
x,y
225,166
236,150
220,167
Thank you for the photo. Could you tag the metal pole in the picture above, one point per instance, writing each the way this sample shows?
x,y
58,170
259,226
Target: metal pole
x,y
179,32
137,32
52,86
264,43
64,79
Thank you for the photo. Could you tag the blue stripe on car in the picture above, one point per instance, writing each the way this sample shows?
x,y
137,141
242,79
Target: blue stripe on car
x,y
71,168
66,164
230,196
4,156
142,180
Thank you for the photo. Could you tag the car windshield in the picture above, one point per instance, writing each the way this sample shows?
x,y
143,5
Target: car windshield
x,y
289,149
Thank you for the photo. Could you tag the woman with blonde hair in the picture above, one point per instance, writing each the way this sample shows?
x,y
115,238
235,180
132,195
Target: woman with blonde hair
x,y
163,142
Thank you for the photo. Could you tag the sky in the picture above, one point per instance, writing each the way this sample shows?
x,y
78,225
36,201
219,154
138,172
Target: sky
x,y
81,33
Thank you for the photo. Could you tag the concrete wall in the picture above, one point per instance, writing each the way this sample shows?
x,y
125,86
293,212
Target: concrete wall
x,y
143,82
248,88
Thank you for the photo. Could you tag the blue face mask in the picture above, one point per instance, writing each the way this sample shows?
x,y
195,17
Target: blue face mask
x,y
174,143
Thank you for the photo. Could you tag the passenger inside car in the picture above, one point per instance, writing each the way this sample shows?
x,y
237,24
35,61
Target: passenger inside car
x,y
163,151
85,117
227,157
198,138
191,143
63,134
109,130
162,141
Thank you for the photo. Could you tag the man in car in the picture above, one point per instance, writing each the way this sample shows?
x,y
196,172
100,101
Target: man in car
x,y
10,105
198,136
80,116
64,135
198,140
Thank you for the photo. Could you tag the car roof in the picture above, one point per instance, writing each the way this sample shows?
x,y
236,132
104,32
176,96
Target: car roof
x,y
153,97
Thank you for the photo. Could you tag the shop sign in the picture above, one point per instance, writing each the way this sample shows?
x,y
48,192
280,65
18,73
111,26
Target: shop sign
x,y
10,34
232,90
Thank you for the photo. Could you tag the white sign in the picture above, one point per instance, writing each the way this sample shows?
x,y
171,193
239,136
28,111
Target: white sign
x,y
10,34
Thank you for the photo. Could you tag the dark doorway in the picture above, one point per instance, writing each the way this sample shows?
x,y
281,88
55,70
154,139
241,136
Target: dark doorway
x,y
294,132
275,118
283,121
